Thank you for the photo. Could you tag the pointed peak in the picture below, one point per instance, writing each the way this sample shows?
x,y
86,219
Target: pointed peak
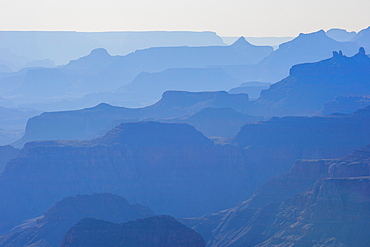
x,y
241,42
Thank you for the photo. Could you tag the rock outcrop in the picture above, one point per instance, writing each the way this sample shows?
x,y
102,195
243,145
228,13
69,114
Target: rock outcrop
x,y
310,86
157,231
272,146
306,48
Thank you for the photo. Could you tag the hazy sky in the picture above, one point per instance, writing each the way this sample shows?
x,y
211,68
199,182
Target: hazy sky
x,y
226,17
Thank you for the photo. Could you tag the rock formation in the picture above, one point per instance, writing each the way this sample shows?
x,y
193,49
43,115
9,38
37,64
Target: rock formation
x,y
345,104
271,146
172,168
310,86
318,203
99,72
95,122
157,231
306,48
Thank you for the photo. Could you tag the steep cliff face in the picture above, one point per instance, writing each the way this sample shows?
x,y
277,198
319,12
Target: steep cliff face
x,y
310,86
335,212
49,229
172,168
7,153
155,231
281,141
345,104
318,203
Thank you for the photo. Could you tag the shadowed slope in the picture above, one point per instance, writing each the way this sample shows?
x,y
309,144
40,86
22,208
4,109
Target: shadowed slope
x,y
157,231
50,229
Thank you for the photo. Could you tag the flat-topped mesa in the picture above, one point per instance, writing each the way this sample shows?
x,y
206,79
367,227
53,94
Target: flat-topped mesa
x,y
337,64
200,100
154,134
141,134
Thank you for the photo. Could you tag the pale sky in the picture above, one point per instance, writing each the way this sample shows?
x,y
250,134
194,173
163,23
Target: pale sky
x,y
225,17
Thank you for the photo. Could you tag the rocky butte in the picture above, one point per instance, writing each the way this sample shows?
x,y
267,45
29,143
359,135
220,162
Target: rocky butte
x,y
309,86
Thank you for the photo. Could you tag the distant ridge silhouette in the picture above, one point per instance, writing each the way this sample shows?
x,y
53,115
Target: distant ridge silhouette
x,y
309,86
